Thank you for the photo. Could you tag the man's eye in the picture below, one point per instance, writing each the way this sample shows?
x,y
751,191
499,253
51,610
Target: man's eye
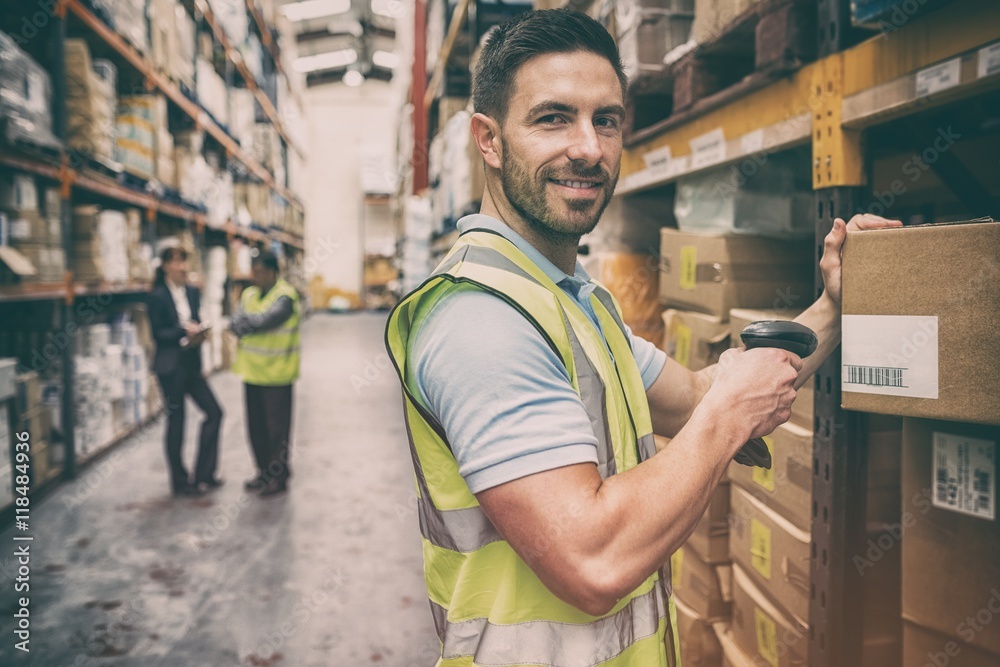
x,y
606,121
551,119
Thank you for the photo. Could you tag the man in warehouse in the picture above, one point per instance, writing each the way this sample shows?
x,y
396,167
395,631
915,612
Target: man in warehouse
x,y
267,359
547,516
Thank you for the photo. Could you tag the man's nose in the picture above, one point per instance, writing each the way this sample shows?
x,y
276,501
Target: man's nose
x,y
585,145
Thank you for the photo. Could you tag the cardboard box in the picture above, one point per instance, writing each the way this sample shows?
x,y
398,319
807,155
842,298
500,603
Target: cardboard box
x,y
803,412
710,539
713,273
763,631
27,226
772,551
950,532
922,647
787,486
712,17
694,340
920,312
699,645
632,278
704,588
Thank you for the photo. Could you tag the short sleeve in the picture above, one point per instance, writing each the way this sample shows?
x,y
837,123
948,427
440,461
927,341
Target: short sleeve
x,y
501,394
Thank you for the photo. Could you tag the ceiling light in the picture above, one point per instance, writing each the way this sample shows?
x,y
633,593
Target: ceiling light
x,y
385,59
328,60
392,9
353,78
313,9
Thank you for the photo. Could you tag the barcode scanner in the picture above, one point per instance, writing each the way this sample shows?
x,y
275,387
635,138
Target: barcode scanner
x,y
790,336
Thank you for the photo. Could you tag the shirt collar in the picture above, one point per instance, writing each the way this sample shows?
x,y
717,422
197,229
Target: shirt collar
x,y
553,272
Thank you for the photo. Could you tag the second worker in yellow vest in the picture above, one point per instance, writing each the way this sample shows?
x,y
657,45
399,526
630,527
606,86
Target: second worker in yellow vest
x,y
547,517
267,359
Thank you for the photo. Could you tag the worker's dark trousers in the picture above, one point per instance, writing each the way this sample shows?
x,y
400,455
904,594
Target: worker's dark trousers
x,y
269,421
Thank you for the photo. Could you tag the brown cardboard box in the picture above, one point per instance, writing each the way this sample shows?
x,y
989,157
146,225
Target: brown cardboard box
x,y
950,533
926,648
920,308
694,340
762,630
739,318
699,645
710,539
704,588
712,17
713,273
787,486
772,551
632,279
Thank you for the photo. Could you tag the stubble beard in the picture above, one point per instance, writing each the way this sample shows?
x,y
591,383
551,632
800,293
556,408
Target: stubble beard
x,y
528,198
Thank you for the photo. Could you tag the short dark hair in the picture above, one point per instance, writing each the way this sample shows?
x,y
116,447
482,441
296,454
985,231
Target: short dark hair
x,y
532,34
267,259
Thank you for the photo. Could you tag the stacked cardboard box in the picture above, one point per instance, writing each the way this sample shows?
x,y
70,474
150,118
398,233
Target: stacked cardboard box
x,y
650,29
141,135
212,297
712,17
950,541
90,101
211,90
34,232
100,245
694,340
633,279
182,58
93,427
36,418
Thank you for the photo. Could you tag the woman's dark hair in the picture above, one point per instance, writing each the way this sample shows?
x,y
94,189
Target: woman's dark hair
x,y
532,34
168,254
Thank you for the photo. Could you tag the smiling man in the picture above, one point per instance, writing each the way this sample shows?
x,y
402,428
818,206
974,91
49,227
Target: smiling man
x,y
546,513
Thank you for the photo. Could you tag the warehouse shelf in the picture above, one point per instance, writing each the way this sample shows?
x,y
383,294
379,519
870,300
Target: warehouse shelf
x,y
458,19
933,60
251,81
157,80
267,39
41,291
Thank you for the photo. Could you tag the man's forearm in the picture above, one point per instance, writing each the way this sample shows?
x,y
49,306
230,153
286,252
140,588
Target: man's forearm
x,y
823,317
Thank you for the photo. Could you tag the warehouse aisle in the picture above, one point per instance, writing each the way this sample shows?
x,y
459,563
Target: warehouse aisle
x,y
330,574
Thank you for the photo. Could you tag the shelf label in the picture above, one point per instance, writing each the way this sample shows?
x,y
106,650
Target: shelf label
x,y
892,355
764,477
682,344
989,60
708,149
689,264
939,77
964,475
767,637
752,142
658,160
760,548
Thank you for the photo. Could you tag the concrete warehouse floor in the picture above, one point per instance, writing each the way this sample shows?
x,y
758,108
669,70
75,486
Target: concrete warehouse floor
x,y
329,574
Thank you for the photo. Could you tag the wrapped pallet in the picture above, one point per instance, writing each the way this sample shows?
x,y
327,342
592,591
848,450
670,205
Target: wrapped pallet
x,y
25,97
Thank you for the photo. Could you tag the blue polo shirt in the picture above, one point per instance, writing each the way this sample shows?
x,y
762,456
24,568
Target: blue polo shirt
x,y
502,395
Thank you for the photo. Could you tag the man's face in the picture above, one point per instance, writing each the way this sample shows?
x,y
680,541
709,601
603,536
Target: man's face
x,y
260,275
562,142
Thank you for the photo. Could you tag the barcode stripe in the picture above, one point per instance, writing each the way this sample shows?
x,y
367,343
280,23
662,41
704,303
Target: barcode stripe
x,y
875,376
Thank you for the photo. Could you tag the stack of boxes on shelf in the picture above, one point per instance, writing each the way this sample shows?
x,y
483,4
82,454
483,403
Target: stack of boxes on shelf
x,y
647,30
455,167
415,249
143,143
711,17
25,97
31,227
919,340
213,294
107,246
90,102
36,418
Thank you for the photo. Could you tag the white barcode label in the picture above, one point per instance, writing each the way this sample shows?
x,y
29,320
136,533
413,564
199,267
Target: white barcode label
x,y
989,60
940,77
965,475
893,355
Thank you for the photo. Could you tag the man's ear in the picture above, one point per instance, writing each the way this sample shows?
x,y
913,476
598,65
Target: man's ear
x,y
486,133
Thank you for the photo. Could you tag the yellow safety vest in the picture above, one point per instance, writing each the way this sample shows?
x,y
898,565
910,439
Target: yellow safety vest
x,y
489,607
269,358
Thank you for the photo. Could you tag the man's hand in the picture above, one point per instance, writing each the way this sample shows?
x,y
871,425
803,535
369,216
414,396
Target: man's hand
x,y
754,388
834,244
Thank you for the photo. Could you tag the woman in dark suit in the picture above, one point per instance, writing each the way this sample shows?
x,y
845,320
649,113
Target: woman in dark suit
x,y
177,330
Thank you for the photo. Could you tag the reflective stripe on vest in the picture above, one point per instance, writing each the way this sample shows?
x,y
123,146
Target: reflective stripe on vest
x,y
269,358
489,607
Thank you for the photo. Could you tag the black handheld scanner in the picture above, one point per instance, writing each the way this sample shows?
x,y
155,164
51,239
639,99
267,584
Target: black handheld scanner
x,y
790,336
